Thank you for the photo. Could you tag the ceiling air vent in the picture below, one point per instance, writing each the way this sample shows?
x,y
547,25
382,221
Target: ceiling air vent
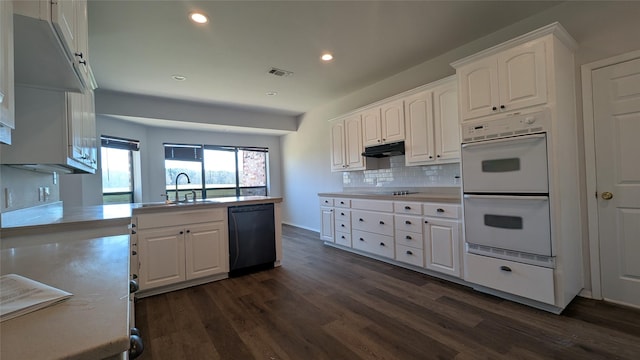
x,y
280,72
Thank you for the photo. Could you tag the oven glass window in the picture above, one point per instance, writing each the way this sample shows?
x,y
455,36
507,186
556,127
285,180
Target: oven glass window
x,y
501,165
503,222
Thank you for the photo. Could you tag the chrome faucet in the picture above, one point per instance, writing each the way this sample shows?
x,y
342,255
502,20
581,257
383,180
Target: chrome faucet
x,y
188,182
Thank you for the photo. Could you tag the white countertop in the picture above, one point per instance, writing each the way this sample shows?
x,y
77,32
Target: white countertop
x,y
94,322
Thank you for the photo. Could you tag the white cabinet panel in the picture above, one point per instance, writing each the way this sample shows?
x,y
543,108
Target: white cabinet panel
x,y
442,246
7,104
327,223
206,250
374,243
161,257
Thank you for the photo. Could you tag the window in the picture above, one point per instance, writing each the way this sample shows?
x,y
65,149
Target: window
x,y
226,170
117,169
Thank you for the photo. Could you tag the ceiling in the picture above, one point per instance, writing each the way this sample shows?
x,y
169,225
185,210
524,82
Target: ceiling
x,y
136,46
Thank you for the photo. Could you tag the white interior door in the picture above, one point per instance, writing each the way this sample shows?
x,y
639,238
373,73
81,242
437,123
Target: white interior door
x,y
616,109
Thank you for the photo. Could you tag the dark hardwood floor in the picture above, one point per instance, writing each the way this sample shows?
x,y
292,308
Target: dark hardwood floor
x,y
324,303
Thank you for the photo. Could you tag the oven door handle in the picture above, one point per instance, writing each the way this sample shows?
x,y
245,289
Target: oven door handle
x,y
506,197
532,137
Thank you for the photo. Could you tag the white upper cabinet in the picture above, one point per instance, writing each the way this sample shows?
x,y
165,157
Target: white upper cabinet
x,y
346,144
52,44
383,124
7,110
506,81
431,119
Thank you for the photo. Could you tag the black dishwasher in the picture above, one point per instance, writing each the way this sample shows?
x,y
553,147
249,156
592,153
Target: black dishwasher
x,y
252,238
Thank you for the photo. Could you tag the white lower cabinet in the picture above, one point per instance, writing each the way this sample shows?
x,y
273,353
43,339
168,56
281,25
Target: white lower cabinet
x,y
442,246
180,246
424,235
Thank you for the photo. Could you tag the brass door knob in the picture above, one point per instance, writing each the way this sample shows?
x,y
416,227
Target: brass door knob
x,y
607,195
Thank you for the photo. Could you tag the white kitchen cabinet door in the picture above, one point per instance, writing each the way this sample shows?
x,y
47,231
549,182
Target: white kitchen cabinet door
x,y
89,135
392,121
327,225
7,105
337,146
442,246
478,86
371,127
161,257
353,143
419,146
64,20
77,117
81,52
446,123
205,250
523,76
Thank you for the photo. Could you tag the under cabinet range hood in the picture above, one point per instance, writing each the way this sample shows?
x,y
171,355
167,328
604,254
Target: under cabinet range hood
x,y
384,150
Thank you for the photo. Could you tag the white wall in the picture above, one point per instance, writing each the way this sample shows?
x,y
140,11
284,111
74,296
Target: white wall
x,y
602,29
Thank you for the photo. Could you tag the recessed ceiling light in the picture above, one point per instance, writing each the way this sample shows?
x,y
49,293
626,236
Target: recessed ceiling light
x,y
178,77
199,18
326,57
272,93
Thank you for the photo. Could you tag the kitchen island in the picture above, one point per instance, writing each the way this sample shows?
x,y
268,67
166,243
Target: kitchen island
x,y
94,322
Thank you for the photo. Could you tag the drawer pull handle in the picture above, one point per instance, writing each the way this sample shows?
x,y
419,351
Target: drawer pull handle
x,y
342,225
381,222
440,210
408,237
505,268
341,202
408,222
181,232
409,252
360,219
361,239
326,201
341,214
426,222
382,244
343,237
407,207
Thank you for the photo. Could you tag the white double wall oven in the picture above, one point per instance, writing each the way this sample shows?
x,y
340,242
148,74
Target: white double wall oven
x,y
505,170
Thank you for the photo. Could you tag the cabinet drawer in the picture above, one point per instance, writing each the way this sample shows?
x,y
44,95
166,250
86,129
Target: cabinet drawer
x,y
407,238
326,201
409,255
342,203
343,215
373,243
343,238
408,223
372,205
442,210
379,223
176,218
402,207
532,282
343,226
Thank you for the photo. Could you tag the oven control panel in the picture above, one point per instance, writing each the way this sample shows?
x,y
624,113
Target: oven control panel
x,y
510,125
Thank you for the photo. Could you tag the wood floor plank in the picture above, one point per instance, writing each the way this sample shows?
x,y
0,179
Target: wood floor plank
x,y
325,303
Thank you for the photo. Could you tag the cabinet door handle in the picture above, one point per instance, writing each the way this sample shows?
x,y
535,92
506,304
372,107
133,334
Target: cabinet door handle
x,y
409,252
188,231
381,222
83,62
341,214
181,232
407,207
382,244
426,222
342,225
134,253
502,106
341,202
408,237
505,268
440,210
437,156
361,239
494,108
80,55
407,222
342,236
360,219
133,232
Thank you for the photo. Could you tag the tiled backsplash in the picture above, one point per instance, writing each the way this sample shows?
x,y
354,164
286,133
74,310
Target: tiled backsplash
x,y
401,176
